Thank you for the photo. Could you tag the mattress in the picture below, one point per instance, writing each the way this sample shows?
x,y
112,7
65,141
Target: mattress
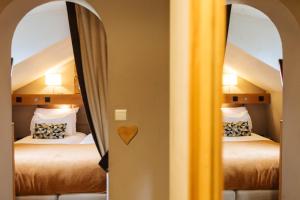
x,y
95,196
253,137
229,195
251,164
257,195
47,169
69,139
43,197
79,196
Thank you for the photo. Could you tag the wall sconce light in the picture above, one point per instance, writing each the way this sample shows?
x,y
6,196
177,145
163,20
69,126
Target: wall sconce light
x,y
229,80
53,80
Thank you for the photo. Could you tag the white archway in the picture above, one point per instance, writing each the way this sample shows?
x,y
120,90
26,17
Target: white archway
x,y
9,19
290,141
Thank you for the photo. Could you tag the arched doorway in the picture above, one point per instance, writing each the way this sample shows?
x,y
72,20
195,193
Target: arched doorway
x,y
252,65
10,19
288,30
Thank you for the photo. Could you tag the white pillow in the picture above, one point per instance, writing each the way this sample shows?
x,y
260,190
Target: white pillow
x,y
56,115
237,114
46,111
234,109
88,139
69,119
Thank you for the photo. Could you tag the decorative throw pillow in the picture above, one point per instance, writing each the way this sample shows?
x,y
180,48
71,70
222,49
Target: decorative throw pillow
x,y
235,129
49,131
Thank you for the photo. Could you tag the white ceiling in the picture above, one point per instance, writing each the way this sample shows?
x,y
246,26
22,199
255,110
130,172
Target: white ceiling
x,y
252,31
40,28
249,11
48,7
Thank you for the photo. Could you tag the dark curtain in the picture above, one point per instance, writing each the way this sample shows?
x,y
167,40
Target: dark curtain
x,y
90,53
281,69
228,14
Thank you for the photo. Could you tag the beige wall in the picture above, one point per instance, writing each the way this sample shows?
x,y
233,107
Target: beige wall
x,y
259,118
38,86
275,115
138,43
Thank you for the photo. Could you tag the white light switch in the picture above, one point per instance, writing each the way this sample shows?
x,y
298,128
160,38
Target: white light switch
x,y
120,114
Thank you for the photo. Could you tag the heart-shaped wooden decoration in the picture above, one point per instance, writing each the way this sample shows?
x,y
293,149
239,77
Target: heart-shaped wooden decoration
x,y
127,133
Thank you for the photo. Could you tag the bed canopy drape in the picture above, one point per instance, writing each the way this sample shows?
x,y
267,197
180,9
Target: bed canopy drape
x,y
90,53
228,15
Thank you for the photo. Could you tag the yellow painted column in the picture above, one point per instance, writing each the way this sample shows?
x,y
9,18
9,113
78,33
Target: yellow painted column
x,y
207,29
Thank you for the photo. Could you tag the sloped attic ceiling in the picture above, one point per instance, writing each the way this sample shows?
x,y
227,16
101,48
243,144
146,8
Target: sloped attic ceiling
x,y
252,69
41,42
37,65
254,47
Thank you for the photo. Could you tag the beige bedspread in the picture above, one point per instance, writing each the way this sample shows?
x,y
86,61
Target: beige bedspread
x,y
251,165
57,169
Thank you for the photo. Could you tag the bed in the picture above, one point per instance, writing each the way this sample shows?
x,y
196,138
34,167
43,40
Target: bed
x,y
251,168
70,139
64,168
251,161
58,171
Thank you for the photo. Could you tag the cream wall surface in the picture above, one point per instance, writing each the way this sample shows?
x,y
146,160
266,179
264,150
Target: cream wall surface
x,y
138,50
275,115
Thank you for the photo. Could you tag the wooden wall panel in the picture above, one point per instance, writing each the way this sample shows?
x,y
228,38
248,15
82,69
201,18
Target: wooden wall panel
x,y
263,98
46,99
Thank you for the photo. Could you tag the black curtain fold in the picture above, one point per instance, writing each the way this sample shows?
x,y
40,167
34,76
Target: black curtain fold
x,y
281,69
228,14
79,67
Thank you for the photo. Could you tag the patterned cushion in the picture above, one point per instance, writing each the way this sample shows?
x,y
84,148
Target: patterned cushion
x,y
235,129
49,131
